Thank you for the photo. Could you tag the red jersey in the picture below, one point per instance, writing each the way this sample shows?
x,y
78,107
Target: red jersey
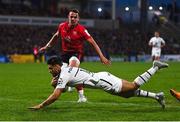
x,y
72,39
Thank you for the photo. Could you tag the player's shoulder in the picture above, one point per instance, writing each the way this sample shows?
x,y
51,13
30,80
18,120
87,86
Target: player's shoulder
x,y
65,72
161,38
81,27
64,68
83,30
62,24
152,39
68,69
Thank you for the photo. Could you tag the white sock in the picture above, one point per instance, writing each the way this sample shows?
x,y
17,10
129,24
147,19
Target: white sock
x,y
142,93
81,93
143,78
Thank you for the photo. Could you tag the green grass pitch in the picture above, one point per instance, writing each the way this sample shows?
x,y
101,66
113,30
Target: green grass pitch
x,y
25,85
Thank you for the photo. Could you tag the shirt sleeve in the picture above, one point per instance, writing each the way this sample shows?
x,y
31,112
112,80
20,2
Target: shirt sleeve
x,y
150,42
59,27
162,40
85,33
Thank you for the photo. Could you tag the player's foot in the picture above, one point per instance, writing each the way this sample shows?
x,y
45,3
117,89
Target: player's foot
x,y
175,94
82,100
160,99
160,64
70,89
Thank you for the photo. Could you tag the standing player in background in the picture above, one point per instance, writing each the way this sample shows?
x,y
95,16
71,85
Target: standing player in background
x,y
176,94
73,36
156,43
35,53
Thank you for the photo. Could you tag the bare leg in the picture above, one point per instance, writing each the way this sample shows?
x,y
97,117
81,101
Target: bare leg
x,y
130,89
80,90
157,58
128,86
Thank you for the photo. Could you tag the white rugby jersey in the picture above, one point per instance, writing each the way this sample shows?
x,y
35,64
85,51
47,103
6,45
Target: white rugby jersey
x,y
73,76
156,42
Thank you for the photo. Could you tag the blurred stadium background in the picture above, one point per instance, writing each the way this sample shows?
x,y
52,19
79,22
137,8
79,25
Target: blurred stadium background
x,y
122,28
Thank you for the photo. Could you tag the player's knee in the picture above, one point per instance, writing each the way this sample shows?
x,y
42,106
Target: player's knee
x,y
129,86
74,61
135,86
127,94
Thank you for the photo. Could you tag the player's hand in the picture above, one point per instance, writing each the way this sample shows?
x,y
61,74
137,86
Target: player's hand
x,y
42,49
105,61
54,81
36,107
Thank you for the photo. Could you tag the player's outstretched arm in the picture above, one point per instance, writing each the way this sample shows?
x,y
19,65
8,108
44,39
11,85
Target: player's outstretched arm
x,y
103,59
50,43
52,98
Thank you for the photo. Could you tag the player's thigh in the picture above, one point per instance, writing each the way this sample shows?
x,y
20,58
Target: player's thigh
x,y
158,54
109,82
153,53
74,61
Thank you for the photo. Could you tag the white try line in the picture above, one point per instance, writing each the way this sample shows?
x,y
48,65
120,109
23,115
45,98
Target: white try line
x,y
115,104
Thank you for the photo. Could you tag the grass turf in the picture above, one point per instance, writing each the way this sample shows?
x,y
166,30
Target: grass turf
x,y
25,85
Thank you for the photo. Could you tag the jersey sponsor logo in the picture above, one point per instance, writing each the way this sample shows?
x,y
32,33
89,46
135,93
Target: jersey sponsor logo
x,y
70,69
60,81
67,39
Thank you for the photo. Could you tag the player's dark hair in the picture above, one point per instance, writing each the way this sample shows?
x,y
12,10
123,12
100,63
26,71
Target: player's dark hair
x,y
53,60
74,10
